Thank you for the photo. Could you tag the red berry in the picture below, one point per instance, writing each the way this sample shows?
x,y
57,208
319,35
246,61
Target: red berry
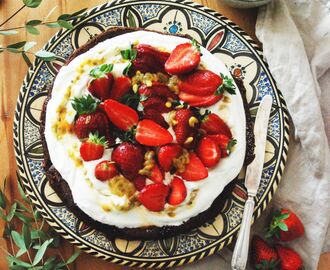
x,y
289,259
195,169
121,86
166,154
156,174
182,129
157,89
101,83
223,142
199,101
153,196
213,124
209,152
178,191
93,148
262,255
151,134
105,170
139,182
155,116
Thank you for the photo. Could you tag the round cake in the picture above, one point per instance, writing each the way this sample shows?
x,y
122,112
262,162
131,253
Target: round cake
x,y
144,132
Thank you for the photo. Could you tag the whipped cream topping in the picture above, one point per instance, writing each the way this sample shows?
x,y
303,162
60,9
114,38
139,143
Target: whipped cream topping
x,y
93,196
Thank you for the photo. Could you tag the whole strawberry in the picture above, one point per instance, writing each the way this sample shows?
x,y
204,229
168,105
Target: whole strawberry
x,y
102,80
262,255
290,259
93,147
285,226
129,158
185,126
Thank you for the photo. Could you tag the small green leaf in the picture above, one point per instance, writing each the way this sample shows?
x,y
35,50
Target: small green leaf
x,y
21,207
230,145
283,216
32,3
17,45
41,252
20,252
283,226
26,235
45,55
65,24
130,19
127,68
101,71
23,217
33,22
18,262
60,266
12,212
125,54
52,25
18,239
8,33
64,17
21,191
29,45
32,30
73,257
12,50
196,45
2,200
50,263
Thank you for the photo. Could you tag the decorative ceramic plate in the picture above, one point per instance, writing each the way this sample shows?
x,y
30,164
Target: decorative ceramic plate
x,y
225,40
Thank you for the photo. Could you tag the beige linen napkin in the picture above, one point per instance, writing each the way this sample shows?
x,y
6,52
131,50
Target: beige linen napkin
x,y
296,45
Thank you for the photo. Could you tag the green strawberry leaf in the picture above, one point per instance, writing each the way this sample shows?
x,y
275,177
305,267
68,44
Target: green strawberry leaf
x,y
101,71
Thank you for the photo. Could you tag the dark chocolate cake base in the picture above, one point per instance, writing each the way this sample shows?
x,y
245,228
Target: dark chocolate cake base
x,y
143,233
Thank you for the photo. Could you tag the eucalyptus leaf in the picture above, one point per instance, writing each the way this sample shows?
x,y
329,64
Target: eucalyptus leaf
x,y
17,267
17,45
73,257
21,252
12,50
32,3
60,266
38,234
32,30
21,191
65,24
2,200
23,217
64,17
18,262
26,235
45,55
40,253
28,45
33,22
18,239
8,33
52,25
50,263
21,207
12,212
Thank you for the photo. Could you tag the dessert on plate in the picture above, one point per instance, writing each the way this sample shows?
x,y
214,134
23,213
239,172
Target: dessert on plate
x,y
143,133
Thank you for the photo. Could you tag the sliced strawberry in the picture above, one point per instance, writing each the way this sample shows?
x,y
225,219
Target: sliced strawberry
x,y
155,116
122,116
166,154
199,101
157,89
213,124
105,170
156,174
200,83
121,86
153,196
178,191
182,129
101,83
155,103
208,152
139,182
150,133
195,169
223,142
93,148
129,158
148,59
183,59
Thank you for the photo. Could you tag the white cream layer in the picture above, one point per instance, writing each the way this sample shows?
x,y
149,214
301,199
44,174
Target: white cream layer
x,y
89,197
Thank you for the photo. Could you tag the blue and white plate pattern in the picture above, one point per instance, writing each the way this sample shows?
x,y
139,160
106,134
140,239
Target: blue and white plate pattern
x,y
225,40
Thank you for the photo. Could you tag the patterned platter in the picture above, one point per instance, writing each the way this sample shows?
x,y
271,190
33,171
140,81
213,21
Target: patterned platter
x,y
224,39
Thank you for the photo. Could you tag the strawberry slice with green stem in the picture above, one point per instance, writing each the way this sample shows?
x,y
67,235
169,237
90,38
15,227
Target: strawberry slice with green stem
x,y
93,147
102,80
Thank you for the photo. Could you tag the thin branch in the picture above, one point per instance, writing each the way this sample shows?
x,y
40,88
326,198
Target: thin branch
x,y
12,16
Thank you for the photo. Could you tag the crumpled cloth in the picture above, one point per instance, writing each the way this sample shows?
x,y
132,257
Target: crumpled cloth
x,y
296,44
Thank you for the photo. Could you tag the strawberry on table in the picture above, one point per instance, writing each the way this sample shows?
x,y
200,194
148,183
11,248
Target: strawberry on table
x,y
225,143
289,259
129,158
185,127
208,152
199,101
200,83
120,88
153,196
285,226
212,124
101,83
122,116
166,154
93,147
195,169
151,134
262,255
178,191
105,170
183,59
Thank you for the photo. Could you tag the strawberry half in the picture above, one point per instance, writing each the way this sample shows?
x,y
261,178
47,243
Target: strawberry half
x,y
182,127
122,116
199,101
105,170
156,174
262,255
139,182
178,191
213,124
225,143
289,259
155,116
209,152
166,154
92,148
121,86
101,83
129,158
157,89
150,133
285,226
153,196
195,169
183,59
200,83
155,103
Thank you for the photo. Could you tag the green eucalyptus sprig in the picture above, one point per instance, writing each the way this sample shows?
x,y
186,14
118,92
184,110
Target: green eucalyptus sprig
x,y
29,238
32,27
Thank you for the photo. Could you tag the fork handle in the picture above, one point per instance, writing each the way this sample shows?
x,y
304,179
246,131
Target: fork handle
x,y
241,249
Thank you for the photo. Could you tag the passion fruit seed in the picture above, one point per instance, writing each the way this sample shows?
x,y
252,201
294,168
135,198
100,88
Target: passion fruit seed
x,y
192,121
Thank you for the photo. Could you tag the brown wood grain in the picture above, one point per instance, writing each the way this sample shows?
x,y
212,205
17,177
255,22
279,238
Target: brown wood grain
x,y
12,72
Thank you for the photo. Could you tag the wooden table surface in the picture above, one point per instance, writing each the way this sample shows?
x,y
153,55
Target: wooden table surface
x,y
13,70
